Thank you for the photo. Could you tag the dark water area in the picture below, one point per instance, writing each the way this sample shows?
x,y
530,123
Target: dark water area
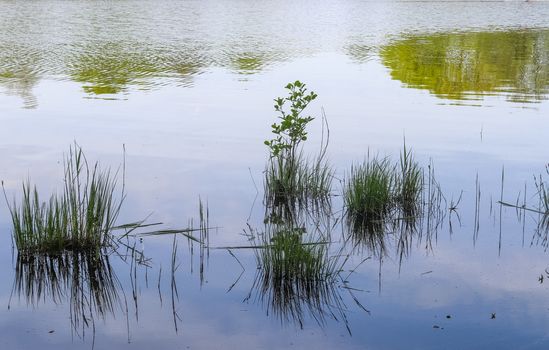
x,y
186,88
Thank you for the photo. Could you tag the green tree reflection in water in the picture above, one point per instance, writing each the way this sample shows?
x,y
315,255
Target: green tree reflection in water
x,y
19,72
247,63
112,68
250,62
463,66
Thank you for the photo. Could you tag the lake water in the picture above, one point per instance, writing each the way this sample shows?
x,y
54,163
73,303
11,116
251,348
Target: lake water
x,y
187,88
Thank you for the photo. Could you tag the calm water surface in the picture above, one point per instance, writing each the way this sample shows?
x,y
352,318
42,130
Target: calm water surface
x,y
187,87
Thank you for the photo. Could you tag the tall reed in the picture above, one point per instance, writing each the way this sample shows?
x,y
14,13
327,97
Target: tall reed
x,y
543,193
409,183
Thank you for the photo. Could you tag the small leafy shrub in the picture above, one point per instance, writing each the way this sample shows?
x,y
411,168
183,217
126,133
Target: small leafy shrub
x,y
291,179
292,128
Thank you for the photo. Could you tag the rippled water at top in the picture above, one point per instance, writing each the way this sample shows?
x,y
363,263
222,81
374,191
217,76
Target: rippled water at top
x,y
109,48
185,89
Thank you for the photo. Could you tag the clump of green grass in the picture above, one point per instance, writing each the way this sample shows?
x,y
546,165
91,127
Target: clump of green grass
x,y
379,194
297,182
368,194
80,218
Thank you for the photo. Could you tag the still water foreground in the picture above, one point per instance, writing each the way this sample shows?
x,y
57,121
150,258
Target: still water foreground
x,y
464,85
